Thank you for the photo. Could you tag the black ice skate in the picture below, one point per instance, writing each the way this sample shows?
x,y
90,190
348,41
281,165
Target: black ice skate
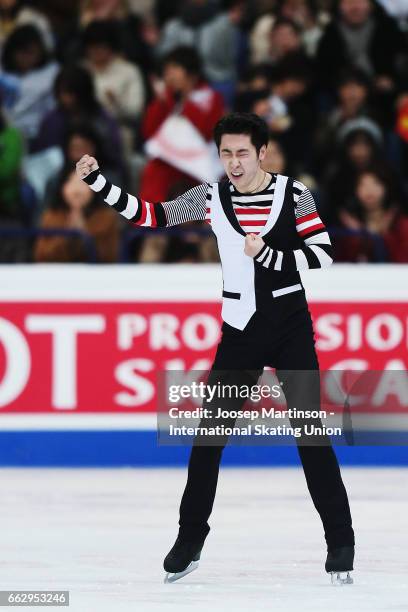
x,y
182,559
339,564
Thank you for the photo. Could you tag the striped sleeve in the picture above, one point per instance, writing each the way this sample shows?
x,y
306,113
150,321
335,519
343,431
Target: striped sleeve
x,y
190,206
193,205
317,251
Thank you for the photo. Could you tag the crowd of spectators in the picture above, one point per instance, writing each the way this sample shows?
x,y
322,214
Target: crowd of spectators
x,y
132,82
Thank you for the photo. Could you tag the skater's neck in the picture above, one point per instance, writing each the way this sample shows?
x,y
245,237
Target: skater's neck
x,y
257,184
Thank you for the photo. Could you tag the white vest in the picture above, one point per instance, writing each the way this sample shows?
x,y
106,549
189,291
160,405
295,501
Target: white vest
x,y
239,298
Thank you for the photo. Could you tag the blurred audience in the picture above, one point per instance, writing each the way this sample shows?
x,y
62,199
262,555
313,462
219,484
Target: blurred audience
x,y
186,27
16,207
275,160
294,24
76,102
354,101
118,83
361,35
140,84
182,91
11,156
284,39
77,208
134,39
373,211
217,36
285,104
359,146
81,140
29,70
309,18
16,13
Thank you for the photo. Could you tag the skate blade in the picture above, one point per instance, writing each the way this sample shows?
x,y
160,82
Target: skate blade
x,y
173,577
340,578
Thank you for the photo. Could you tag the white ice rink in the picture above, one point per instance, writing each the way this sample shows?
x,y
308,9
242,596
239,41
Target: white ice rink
x,y
102,535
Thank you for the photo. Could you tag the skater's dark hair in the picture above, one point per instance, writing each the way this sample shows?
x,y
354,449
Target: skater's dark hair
x,y
243,123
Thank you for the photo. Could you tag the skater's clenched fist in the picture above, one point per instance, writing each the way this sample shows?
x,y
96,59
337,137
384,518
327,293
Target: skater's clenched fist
x,y
86,165
253,244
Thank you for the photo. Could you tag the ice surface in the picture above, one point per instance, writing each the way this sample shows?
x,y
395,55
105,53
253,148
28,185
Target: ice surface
x,y
102,535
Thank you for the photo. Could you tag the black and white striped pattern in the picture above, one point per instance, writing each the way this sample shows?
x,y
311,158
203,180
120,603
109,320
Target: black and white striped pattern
x,y
308,258
195,205
190,206
253,210
305,204
127,205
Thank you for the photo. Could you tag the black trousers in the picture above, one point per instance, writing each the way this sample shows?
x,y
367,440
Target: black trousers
x,y
282,339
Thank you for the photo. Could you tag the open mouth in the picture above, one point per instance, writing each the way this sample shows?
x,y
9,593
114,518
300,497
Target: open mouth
x,y
237,174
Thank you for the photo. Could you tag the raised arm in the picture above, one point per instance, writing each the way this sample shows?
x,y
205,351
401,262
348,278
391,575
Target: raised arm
x,y
317,251
191,206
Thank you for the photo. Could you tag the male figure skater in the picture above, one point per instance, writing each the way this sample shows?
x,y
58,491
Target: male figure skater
x,y
267,229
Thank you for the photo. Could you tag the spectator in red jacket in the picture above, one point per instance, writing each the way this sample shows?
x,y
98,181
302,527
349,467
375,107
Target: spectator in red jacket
x,y
183,91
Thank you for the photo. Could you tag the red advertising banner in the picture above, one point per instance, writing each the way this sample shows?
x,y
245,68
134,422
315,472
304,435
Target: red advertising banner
x,y
103,356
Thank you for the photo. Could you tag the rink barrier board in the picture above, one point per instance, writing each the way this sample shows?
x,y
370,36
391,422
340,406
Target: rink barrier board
x,y
139,449
27,439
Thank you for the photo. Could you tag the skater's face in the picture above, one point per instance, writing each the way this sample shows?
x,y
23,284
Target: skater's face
x,y
240,159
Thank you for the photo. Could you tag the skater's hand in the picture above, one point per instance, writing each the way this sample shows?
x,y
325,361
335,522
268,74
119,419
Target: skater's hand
x,y
253,244
86,165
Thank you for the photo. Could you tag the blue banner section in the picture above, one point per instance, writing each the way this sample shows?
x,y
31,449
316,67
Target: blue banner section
x,y
139,449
